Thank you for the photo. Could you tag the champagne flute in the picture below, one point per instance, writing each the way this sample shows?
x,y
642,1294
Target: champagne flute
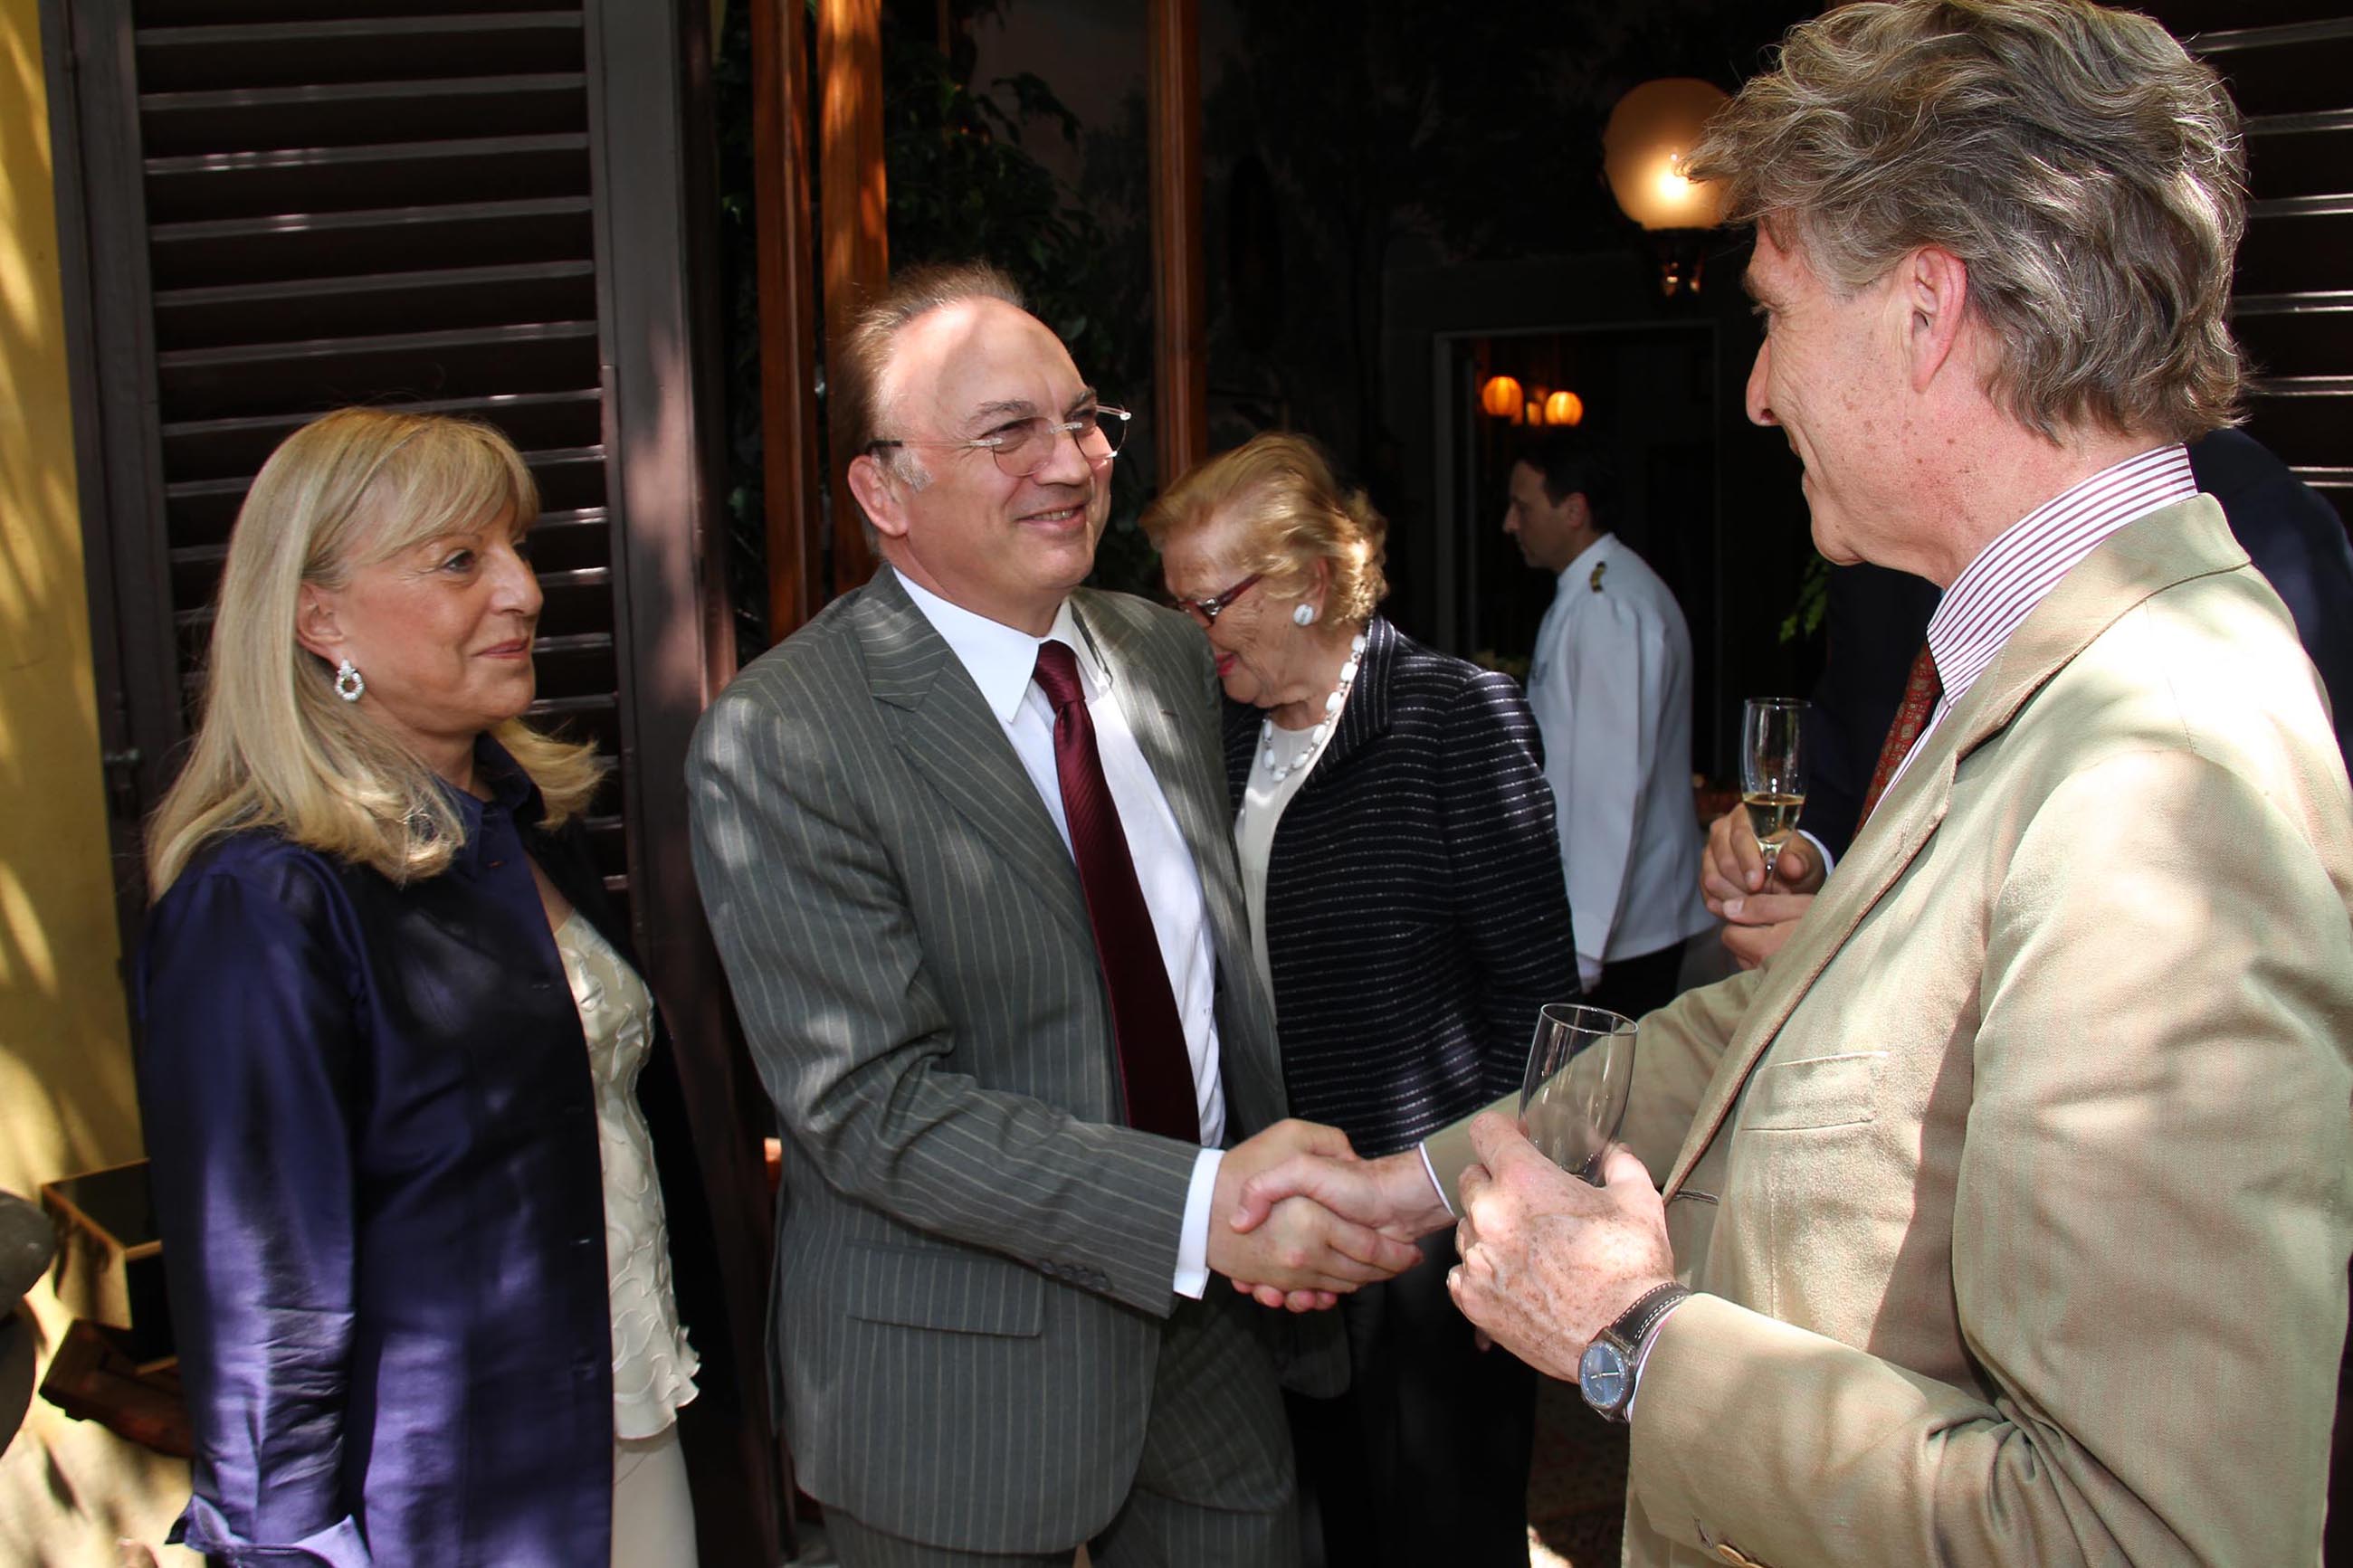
x,y
1580,1067
1772,782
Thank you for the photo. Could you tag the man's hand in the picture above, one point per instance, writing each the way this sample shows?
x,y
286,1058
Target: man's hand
x,y
1304,1256
1392,1195
1548,1261
1734,867
1761,924
1760,917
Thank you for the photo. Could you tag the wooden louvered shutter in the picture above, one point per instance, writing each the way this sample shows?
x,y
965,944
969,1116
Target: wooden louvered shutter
x,y
290,212
491,207
2290,66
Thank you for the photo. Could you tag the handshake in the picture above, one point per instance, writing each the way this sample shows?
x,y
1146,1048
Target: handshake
x,y
1545,1259
1300,1220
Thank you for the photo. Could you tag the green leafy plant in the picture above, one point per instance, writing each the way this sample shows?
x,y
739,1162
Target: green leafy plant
x,y
1804,621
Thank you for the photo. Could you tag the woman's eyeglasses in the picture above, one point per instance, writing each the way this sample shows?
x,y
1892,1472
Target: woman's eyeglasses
x,y
1207,610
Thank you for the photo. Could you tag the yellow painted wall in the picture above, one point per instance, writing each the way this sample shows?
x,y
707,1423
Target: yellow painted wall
x,y
68,1490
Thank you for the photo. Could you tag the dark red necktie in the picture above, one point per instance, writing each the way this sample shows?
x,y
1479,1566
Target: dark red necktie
x,y
1921,691
1155,1071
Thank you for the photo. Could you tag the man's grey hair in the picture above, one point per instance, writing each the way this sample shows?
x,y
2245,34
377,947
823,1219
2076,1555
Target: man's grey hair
x,y
2083,166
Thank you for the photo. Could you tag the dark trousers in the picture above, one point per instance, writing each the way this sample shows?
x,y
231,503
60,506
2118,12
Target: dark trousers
x,y
1425,1459
1642,984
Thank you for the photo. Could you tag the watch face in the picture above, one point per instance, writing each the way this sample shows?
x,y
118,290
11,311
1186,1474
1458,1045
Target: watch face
x,y
1603,1374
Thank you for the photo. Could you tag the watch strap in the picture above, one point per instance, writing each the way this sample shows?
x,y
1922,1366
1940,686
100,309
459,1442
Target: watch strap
x,y
1630,1325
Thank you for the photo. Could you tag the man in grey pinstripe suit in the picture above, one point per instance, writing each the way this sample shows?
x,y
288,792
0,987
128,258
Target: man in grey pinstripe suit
x,y
993,1317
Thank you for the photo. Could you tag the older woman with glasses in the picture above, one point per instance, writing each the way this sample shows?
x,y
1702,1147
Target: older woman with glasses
x,y
1398,851
418,1245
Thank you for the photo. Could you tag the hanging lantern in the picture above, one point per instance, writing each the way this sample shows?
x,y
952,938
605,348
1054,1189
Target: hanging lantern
x,y
1650,132
1564,408
1500,397
1644,148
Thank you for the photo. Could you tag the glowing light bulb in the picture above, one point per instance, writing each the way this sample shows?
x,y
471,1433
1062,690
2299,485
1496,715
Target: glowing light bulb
x,y
1651,134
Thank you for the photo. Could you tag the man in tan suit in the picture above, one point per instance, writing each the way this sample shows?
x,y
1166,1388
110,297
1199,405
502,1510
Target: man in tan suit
x,y
2006,1210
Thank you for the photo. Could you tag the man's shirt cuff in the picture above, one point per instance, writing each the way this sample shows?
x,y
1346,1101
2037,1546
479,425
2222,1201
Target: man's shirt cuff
x,y
1193,1241
1435,1185
1828,859
1643,1356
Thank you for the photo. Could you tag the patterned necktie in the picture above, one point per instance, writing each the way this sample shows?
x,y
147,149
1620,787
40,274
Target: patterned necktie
x,y
1155,1071
1921,691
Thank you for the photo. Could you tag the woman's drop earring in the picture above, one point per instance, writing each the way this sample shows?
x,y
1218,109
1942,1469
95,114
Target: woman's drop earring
x,y
348,684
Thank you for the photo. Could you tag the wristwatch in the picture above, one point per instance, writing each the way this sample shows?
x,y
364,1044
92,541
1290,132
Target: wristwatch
x,y
1605,1374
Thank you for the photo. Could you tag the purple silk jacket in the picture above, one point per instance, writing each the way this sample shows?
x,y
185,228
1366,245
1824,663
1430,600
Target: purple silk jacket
x,y
374,1156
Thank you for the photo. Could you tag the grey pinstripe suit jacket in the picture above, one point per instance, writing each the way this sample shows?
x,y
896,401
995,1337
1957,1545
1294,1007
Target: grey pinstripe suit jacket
x,y
974,1259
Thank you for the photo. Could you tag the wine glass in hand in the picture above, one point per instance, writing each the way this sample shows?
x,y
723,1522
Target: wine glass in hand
x,y
1772,785
1580,1067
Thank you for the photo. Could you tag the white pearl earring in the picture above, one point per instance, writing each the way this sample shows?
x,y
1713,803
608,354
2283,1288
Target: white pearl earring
x,y
1303,615
348,684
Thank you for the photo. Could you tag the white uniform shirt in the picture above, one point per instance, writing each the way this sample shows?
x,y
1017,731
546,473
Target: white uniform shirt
x,y
1610,689
1003,662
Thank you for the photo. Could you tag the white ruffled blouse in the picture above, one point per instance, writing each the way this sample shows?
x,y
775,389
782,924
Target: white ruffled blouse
x,y
653,1365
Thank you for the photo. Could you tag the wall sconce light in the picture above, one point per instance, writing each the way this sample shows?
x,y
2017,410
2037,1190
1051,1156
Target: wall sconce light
x,y
1503,397
1649,138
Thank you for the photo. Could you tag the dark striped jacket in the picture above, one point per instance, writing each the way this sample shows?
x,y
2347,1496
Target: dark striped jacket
x,y
1416,912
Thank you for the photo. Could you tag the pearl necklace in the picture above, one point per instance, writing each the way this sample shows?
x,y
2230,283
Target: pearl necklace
x,y
1279,772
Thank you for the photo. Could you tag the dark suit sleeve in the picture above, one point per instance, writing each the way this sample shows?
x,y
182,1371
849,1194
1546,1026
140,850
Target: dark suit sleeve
x,y
246,1076
830,978
1878,618
2296,540
1511,902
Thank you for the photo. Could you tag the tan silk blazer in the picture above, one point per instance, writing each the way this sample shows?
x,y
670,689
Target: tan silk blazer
x,y
2017,1183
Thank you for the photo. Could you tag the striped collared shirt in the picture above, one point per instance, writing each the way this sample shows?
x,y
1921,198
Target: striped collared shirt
x,y
2009,577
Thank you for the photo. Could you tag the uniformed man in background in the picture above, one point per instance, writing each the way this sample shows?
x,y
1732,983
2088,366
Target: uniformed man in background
x,y
1610,688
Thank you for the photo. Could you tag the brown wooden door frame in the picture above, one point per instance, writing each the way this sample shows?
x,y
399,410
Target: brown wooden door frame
x,y
1180,356
855,234
791,456
658,277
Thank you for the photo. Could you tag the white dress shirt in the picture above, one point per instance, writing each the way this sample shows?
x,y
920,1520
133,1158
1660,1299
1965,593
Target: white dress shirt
x,y
1611,687
2011,575
1003,662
